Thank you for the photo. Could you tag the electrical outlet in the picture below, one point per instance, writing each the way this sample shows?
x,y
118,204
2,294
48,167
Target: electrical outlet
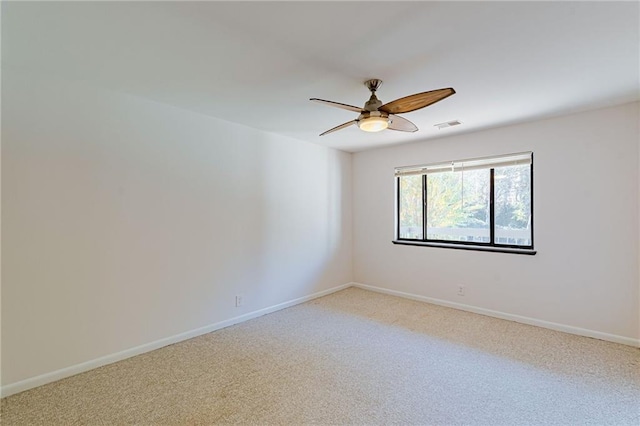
x,y
460,290
239,300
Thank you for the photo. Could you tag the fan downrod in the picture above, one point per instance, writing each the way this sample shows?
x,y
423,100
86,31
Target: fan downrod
x,y
373,103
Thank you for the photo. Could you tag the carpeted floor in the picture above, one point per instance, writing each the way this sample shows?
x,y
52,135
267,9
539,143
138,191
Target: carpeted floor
x,y
354,357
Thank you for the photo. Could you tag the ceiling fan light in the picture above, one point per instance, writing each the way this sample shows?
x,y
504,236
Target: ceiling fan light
x,y
373,124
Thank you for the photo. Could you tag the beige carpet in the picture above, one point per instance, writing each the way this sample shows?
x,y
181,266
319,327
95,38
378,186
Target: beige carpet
x,y
354,357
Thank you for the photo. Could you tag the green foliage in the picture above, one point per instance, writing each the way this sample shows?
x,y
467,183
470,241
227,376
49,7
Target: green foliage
x,y
512,197
411,201
460,199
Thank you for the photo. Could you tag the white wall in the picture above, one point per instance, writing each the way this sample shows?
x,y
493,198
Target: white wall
x,y
585,273
126,221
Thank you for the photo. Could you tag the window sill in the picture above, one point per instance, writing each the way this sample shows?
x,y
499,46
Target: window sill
x,y
466,247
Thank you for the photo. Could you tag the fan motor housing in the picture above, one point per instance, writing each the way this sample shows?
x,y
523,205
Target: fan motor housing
x,y
373,103
368,114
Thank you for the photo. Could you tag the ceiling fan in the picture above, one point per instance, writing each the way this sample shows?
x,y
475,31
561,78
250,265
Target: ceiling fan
x,y
375,116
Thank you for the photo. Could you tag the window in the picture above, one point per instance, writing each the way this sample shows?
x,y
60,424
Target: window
x,y
483,203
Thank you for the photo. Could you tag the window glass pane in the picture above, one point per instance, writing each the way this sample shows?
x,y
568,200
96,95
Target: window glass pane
x,y
458,206
512,186
410,213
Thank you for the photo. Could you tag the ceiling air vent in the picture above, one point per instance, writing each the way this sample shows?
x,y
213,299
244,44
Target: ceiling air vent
x,y
447,124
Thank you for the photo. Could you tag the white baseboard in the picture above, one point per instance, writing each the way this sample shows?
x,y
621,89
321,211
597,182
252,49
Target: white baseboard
x,y
53,376
511,317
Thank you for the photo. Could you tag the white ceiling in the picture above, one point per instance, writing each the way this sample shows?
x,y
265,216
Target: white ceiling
x,y
258,63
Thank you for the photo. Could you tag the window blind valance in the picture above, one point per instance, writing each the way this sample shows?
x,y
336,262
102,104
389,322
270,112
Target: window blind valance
x,y
521,158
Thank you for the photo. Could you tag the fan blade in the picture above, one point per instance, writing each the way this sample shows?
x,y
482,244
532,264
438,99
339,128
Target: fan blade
x,y
401,124
417,101
342,126
337,104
